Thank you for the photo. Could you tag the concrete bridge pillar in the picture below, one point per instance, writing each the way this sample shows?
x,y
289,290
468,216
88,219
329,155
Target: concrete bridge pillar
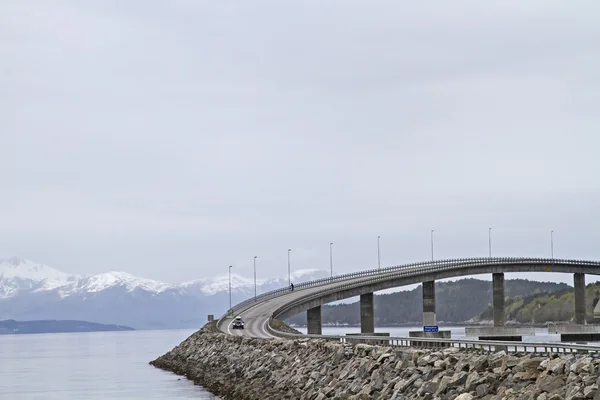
x,y
367,312
498,298
429,318
579,284
314,320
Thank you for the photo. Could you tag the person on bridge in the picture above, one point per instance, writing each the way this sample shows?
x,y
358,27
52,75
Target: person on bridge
x,y
292,287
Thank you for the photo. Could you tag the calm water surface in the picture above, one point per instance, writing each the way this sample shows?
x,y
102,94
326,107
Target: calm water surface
x,y
100,365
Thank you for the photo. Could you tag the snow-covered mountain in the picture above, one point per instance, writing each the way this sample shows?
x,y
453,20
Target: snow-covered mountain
x,y
29,290
243,285
18,275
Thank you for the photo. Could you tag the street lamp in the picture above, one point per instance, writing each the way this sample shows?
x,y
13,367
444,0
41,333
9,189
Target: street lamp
x,y
255,257
230,310
378,253
331,258
432,245
552,244
289,269
490,240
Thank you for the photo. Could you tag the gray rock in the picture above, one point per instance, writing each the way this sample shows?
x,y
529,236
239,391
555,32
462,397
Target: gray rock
x,y
377,380
578,365
556,366
429,387
464,396
471,382
443,385
458,379
528,364
574,378
590,391
478,364
404,384
550,383
482,390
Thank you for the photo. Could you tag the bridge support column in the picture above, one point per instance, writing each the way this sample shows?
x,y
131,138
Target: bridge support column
x,y
429,320
579,284
429,317
367,312
498,298
314,321
578,332
499,331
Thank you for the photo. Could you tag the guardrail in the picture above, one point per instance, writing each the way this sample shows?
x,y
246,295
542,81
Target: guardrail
x,y
482,346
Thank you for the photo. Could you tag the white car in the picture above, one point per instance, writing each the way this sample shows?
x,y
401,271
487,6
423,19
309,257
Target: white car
x,y
238,323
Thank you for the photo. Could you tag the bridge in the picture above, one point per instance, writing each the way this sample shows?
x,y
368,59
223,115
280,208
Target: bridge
x,y
261,313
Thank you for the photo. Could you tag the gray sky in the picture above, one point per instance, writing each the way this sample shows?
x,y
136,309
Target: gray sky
x,y
171,139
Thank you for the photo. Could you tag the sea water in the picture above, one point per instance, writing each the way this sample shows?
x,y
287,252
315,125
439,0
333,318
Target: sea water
x,y
98,365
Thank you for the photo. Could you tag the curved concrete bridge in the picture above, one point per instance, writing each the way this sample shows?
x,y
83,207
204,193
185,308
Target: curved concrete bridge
x,y
310,296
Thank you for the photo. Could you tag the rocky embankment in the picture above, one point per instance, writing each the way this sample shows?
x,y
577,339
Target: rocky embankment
x,y
255,369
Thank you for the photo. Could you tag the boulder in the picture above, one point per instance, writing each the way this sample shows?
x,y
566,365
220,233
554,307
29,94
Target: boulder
x,y
556,366
429,387
482,390
589,392
549,383
528,364
464,396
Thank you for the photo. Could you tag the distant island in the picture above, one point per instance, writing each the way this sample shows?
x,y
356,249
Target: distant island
x,y
12,327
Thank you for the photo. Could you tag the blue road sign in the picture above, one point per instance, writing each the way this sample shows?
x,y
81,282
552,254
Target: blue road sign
x,y
432,328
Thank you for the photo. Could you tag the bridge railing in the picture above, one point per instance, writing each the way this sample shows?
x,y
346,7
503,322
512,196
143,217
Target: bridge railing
x,y
442,265
384,273
478,345
332,279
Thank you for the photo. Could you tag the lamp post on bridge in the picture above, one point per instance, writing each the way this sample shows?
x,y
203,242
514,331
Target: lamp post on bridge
x,y
490,240
230,310
255,257
432,245
552,244
289,269
378,253
331,257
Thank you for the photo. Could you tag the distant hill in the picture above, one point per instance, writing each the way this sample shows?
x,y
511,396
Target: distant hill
x,y
456,302
11,327
557,306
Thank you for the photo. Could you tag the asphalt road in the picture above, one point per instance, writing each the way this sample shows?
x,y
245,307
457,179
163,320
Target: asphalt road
x,y
257,316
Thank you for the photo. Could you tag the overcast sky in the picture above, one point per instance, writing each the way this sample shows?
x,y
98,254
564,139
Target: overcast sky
x,y
170,139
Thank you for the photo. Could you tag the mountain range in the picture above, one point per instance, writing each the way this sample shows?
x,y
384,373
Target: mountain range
x,y
33,291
